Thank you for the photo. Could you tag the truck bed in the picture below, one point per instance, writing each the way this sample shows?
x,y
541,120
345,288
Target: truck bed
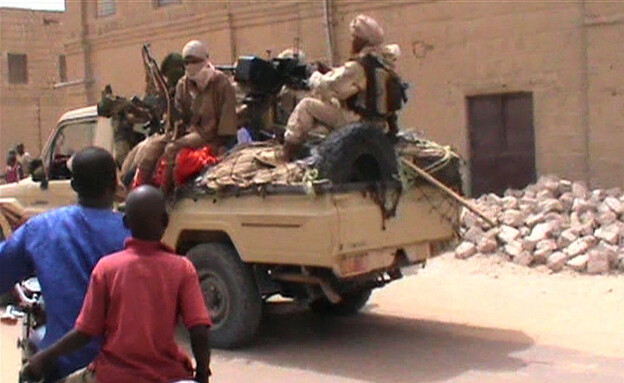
x,y
341,229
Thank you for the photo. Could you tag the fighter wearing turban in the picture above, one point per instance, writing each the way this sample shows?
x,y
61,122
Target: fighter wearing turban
x,y
340,95
205,99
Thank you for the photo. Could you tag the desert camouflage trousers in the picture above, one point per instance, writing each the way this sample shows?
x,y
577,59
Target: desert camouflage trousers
x,y
309,113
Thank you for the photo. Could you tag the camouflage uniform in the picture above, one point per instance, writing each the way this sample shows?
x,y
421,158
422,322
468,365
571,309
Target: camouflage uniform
x,y
331,92
343,90
288,98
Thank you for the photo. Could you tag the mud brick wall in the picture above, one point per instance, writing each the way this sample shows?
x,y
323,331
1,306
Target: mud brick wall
x,y
565,53
29,111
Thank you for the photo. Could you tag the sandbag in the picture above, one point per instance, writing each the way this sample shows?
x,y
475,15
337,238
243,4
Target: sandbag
x,y
240,169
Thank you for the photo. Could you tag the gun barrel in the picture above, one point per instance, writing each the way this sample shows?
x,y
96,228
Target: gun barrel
x,y
226,68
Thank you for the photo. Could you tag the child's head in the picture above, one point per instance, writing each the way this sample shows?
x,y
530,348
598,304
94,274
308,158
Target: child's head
x,y
11,158
146,213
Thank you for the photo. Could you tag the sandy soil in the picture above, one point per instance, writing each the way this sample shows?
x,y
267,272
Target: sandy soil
x,y
481,320
571,310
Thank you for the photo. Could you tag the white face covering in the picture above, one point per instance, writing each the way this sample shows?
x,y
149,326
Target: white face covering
x,y
200,73
192,70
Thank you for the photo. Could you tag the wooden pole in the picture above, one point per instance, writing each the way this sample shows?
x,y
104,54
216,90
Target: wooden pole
x,y
462,201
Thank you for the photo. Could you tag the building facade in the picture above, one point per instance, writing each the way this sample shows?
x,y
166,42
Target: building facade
x,y
31,63
520,89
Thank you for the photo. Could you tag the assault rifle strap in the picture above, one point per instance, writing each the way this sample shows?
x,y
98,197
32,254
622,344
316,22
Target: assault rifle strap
x,y
370,63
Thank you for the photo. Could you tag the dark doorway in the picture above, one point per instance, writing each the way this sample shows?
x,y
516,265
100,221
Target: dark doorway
x,y
502,142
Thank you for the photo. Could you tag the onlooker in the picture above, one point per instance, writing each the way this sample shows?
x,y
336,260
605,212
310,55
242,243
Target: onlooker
x,y
12,171
23,158
147,281
62,246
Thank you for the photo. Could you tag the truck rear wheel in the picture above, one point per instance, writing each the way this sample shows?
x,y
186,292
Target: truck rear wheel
x,y
351,303
230,293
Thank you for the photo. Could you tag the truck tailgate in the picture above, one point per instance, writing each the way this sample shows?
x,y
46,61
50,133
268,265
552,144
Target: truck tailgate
x,y
424,215
326,230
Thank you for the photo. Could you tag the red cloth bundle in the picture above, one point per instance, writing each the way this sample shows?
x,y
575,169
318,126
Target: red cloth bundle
x,y
189,162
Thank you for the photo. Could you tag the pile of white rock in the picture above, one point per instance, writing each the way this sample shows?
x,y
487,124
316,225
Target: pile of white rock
x,y
554,222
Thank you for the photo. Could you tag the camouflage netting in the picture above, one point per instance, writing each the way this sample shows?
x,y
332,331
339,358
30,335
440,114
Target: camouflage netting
x,y
438,160
240,169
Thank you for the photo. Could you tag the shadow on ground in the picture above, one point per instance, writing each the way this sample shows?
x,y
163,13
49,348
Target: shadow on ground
x,y
379,348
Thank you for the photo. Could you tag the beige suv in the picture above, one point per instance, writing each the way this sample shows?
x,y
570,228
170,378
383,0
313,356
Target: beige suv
x,y
327,249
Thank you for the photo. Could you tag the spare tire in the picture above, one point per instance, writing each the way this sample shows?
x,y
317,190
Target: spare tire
x,y
359,152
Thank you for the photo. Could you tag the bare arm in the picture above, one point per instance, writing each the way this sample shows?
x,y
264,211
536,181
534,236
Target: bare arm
x,y
195,318
90,323
201,352
43,361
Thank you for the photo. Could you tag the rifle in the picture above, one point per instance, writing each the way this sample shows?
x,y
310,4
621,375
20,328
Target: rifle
x,y
134,109
157,77
226,68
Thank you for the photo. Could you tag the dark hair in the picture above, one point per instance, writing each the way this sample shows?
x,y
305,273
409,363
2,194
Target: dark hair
x,y
173,68
94,172
172,61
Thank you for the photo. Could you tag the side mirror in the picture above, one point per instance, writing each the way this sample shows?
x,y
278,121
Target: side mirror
x,y
34,165
38,172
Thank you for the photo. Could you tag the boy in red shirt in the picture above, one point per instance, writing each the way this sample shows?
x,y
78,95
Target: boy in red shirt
x,y
134,300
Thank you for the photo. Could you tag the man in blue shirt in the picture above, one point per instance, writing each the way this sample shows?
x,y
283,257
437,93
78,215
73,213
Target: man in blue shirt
x,y
61,248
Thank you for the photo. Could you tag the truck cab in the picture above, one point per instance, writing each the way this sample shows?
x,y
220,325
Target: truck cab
x,y
48,186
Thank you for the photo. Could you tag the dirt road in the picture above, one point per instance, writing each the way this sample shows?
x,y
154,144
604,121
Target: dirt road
x,y
457,321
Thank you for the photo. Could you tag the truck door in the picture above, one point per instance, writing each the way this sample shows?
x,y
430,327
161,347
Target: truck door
x,y
70,137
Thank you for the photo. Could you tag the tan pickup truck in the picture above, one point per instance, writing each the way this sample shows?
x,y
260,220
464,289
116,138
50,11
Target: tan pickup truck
x,y
328,248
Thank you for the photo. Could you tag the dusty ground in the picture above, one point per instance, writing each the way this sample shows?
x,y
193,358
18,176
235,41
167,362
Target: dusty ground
x,y
457,321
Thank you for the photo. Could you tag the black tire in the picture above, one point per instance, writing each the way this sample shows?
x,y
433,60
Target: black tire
x,y
351,303
359,152
230,293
